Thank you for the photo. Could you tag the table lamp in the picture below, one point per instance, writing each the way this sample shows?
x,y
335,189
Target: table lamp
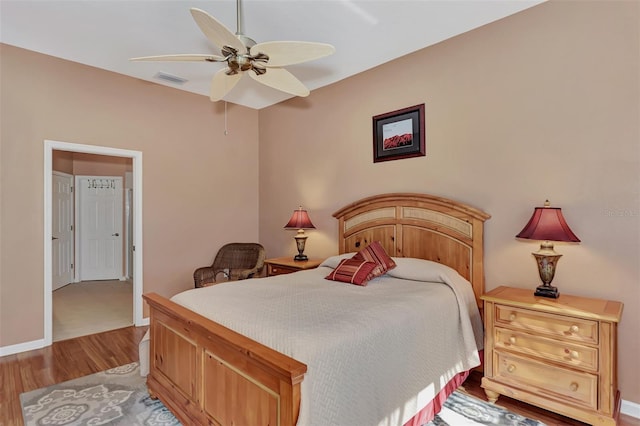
x,y
547,224
300,221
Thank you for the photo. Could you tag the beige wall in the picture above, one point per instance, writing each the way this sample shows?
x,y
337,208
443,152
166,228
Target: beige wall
x,y
78,163
62,161
100,165
543,104
196,181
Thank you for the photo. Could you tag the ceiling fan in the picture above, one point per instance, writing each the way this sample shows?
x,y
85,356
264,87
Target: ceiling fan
x,y
263,62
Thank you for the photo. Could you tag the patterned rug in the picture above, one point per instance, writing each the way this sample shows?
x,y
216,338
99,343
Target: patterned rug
x,y
112,397
462,410
119,397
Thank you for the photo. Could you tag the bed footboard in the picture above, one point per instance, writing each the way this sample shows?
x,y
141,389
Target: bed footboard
x,y
206,373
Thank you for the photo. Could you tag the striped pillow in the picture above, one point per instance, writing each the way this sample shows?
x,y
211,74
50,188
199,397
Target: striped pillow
x,y
374,252
352,271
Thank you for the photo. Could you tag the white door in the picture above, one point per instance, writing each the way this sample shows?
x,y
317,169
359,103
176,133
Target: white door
x,y
62,230
100,200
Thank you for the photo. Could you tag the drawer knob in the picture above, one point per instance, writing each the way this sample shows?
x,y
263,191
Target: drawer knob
x,y
512,317
574,329
574,354
512,340
573,386
511,368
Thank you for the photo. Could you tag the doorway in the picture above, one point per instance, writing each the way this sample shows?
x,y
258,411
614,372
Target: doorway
x,y
136,238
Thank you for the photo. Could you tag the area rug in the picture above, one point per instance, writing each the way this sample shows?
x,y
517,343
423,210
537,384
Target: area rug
x,y
461,410
119,397
113,397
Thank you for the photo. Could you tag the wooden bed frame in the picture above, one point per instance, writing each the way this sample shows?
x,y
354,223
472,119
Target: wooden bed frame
x,y
206,373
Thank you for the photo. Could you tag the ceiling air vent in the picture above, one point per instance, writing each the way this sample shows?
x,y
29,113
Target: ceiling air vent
x,y
170,78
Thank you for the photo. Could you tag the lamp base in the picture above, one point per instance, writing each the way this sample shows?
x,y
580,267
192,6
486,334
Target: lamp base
x,y
547,291
301,239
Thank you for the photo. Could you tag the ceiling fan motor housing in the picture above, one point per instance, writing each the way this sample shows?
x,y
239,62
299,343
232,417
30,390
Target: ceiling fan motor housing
x,y
244,61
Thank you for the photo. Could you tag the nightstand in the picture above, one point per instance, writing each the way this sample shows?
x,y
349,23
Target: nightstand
x,y
558,354
286,265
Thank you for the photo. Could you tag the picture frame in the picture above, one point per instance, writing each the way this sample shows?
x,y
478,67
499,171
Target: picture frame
x,y
399,134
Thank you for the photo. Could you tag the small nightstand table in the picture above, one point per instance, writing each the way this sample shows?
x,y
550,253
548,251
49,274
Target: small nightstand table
x,y
286,265
558,354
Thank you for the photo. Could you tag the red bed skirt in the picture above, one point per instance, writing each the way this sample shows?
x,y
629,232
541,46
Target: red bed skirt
x,y
432,408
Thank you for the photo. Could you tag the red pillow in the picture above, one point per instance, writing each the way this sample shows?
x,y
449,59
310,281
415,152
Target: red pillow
x,y
374,252
352,271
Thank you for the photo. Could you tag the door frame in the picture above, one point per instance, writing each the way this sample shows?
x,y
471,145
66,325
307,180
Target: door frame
x,y
136,156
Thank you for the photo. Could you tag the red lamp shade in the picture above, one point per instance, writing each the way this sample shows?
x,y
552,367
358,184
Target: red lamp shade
x,y
548,224
299,220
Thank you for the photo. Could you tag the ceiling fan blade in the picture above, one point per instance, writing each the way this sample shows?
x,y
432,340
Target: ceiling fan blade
x,y
284,53
215,31
181,57
282,80
221,84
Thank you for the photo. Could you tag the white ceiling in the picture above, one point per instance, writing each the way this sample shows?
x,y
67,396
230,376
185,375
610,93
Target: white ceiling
x,y
365,33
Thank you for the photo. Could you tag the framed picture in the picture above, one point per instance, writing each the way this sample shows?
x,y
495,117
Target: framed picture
x,y
399,134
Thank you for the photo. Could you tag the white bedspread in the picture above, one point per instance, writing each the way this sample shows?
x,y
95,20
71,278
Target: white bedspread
x,y
376,355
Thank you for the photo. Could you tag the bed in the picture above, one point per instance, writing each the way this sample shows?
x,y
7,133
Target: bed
x,y
212,368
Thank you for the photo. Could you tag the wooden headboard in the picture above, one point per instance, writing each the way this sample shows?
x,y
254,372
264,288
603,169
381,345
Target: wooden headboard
x,y
421,226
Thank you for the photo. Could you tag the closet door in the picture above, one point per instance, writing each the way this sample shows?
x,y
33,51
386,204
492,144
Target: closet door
x,y
61,230
100,201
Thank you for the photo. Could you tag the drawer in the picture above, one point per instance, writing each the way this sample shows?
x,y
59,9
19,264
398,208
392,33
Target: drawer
x,y
546,380
562,352
555,326
280,270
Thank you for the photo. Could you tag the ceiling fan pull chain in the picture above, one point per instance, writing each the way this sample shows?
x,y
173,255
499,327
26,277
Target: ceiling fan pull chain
x,y
226,132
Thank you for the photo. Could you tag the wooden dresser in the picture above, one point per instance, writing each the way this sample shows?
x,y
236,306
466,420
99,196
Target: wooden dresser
x,y
558,354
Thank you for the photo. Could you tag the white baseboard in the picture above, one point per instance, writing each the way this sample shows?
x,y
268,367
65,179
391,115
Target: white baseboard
x,y
39,344
22,347
630,409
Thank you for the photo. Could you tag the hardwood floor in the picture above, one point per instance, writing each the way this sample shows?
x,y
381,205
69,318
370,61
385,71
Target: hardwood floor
x,y
472,387
62,361
86,355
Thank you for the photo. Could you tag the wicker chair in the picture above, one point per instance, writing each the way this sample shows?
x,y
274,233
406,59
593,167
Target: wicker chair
x,y
234,261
